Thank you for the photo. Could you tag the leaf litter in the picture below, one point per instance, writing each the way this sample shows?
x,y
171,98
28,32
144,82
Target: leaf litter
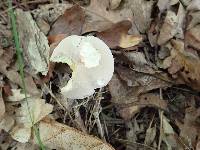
x,y
152,100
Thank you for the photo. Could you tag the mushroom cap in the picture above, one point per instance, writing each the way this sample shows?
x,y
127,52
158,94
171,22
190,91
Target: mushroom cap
x,y
91,61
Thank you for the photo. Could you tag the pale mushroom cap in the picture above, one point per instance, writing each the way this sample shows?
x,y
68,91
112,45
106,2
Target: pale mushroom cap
x,y
91,61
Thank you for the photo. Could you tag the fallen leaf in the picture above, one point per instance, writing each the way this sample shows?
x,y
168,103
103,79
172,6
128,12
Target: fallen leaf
x,y
193,19
139,62
194,5
55,135
144,100
70,23
189,129
37,108
16,95
7,123
50,12
117,36
192,37
150,135
114,4
21,134
99,9
169,28
182,64
142,16
33,42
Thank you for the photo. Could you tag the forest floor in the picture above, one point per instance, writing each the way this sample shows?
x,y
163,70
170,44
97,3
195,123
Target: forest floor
x,y
152,101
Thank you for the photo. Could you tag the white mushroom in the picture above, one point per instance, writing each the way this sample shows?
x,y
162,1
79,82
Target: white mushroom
x,y
91,61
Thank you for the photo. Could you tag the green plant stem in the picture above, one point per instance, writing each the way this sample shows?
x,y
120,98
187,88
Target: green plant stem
x,y
21,70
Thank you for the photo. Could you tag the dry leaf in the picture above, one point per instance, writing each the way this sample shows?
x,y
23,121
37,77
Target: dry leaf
x,y
21,134
38,109
114,4
189,129
141,10
139,62
194,5
145,100
192,37
33,42
7,123
194,19
70,23
183,64
150,135
117,36
55,135
16,95
169,28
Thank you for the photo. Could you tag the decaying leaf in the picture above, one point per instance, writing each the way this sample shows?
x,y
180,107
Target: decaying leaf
x,y
139,62
70,23
7,123
127,85
194,5
21,134
29,112
150,135
114,4
37,109
16,95
50,12
192,37
117,36
183,64
169,28
189,129
55,135
145,100
33,42
141,10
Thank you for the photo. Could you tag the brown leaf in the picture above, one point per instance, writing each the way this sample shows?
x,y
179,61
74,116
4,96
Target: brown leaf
x,y
127,85
117,36
145,100
55,135
184,64
169,28
192,37
69,23
189,129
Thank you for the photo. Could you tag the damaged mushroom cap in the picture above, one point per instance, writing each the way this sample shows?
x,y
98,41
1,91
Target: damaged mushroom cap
x,y
91,61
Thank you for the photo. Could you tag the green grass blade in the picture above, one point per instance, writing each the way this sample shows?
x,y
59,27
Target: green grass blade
x,y
21,69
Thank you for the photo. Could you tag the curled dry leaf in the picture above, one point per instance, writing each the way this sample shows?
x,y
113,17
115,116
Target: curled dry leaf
x,y
33,42
91,61
183,64
55,135
70,23
117,36
7,123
